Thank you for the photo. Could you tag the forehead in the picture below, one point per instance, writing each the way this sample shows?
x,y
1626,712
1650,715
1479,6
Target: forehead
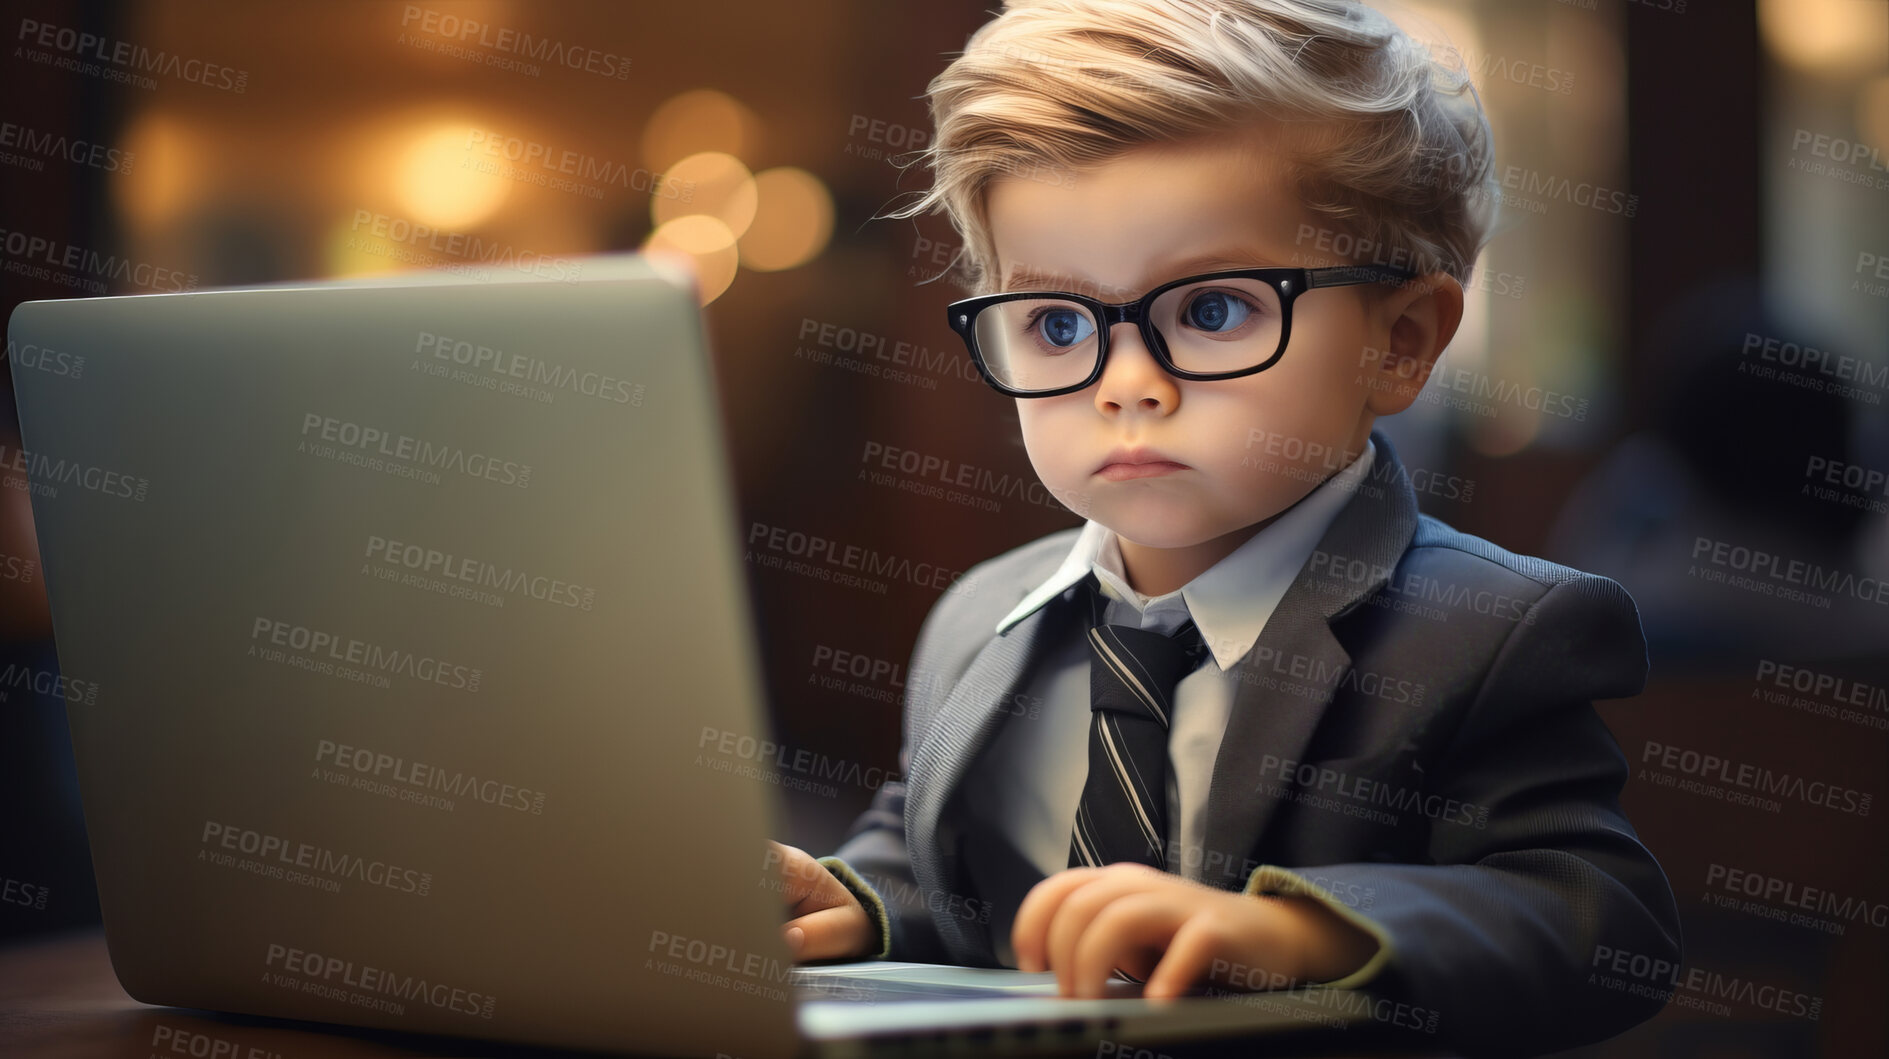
x,y
1153,214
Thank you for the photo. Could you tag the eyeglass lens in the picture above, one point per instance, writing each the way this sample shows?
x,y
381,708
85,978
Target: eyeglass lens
x,y
1212,326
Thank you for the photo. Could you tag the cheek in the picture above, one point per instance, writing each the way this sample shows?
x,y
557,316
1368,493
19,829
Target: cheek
x,y
1280,431
1329,351
1047,446
1319,386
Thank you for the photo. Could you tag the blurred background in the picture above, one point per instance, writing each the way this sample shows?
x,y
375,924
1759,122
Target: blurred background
x,y
1679,332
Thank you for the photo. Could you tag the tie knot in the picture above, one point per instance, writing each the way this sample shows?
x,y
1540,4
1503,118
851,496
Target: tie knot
x,y
1187,635
1136,670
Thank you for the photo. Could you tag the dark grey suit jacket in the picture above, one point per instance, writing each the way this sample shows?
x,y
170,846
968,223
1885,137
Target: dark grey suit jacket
x,y
1412,742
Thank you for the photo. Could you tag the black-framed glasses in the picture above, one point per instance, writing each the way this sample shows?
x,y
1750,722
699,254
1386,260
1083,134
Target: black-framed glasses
x,y
1217,325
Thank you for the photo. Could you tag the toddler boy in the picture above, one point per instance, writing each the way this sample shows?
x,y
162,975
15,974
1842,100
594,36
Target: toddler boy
x,y
1257,723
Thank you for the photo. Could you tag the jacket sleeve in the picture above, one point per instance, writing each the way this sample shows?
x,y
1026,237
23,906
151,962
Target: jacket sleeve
x,y
1494,946
874,865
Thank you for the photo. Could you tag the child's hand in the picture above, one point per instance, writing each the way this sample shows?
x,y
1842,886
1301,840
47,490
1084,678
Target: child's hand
x,y
828,921
1085,922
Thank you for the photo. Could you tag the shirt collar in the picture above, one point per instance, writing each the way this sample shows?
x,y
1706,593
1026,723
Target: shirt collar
x,y
1229,601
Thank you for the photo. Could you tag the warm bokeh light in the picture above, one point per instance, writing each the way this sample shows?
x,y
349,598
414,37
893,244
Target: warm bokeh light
x,y
1827,36
713,183
697,121
438,181
349,248
793,221
162,172
709,242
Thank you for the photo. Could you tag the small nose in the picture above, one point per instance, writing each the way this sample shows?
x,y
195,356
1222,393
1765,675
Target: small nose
x,y
1133,378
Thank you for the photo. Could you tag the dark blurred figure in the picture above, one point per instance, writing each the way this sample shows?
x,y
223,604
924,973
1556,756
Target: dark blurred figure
x,y
1725,461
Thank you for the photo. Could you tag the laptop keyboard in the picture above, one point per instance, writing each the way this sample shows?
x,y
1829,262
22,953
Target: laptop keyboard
x,y
872,990
933,983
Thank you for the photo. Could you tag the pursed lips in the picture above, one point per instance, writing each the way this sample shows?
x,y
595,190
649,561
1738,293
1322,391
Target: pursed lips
x,y
1137,463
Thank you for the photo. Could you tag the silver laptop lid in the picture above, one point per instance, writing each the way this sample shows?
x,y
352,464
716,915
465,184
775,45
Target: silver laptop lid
x,y
401,611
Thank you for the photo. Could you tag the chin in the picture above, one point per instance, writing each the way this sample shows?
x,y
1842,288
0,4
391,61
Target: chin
x,y
1156,525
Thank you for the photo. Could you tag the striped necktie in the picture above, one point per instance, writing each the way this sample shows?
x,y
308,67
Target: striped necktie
x,y
1132,675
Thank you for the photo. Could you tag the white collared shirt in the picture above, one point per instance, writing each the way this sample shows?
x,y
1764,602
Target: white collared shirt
x,y
1030,777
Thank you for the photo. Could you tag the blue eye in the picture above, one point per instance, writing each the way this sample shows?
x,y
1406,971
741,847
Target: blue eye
x,y
1063,327
1216,311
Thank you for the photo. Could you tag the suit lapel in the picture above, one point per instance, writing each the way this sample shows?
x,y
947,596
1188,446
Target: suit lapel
x,y
963,726
1374,527
1352,560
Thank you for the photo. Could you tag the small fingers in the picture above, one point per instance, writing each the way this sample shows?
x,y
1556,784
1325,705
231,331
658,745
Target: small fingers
x,y
1127,933
1029,932
830,933
1073,916
1189,958
799,875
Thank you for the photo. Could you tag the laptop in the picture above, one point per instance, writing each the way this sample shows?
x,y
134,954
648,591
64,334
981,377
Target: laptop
x,y
411,613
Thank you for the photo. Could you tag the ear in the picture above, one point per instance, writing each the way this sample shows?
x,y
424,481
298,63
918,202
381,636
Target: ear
x,y
1417,321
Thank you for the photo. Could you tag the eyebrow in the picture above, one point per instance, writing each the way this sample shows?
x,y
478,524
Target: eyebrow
x,y
1027,278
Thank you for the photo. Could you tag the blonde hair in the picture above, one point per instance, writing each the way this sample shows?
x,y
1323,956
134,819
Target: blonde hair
x,y
1392,147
